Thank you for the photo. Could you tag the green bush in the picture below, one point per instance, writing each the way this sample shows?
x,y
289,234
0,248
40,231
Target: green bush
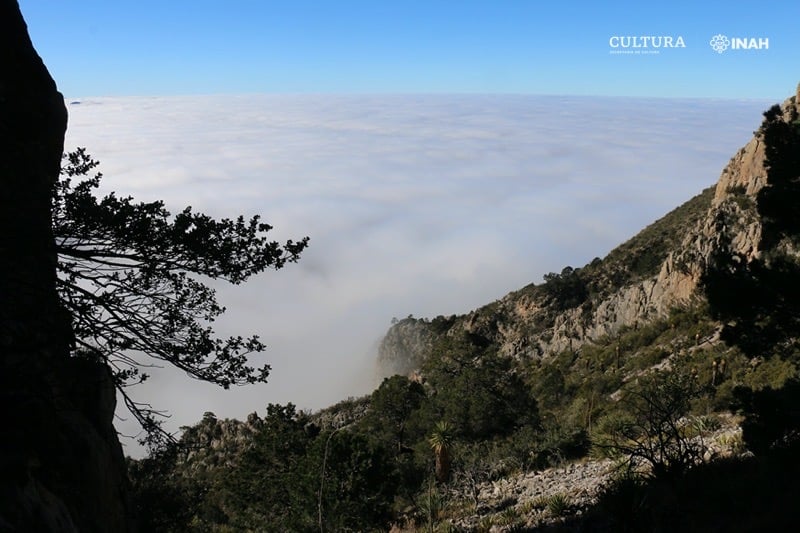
x,y
477,391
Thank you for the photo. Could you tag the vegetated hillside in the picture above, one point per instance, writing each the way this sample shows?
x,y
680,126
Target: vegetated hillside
x,y
598,399
533,320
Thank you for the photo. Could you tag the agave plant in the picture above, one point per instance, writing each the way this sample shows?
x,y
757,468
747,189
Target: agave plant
x,y
557,504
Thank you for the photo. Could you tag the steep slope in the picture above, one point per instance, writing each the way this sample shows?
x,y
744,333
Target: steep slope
x,y
660,268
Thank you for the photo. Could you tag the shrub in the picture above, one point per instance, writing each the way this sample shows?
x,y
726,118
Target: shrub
x,y
651,431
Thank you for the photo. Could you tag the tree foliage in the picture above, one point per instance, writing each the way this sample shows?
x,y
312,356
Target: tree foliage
x,y
290,476
651,429
270,484
772,417
359,481
758,297
477,391
566,290
391,406
133,278
777,202
161,499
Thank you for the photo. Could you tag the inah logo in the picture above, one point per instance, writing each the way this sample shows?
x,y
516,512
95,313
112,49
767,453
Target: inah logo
x,y
719,43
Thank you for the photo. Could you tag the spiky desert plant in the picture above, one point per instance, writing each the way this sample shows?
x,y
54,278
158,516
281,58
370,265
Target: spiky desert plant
x,y
441,442
557,504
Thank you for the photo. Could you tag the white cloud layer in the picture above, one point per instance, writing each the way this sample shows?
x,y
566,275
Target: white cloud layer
x,y
414,204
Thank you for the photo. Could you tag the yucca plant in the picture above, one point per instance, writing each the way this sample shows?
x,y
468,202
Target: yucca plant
x,y
441,442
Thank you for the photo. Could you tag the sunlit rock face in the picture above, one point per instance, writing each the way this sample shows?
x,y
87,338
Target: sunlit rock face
x,y
61,465
529,323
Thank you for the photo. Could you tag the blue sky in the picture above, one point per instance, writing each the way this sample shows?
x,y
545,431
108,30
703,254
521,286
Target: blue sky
x,y
427,205
144,47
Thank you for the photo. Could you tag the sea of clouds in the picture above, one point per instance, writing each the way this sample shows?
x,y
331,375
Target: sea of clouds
x,y
420,205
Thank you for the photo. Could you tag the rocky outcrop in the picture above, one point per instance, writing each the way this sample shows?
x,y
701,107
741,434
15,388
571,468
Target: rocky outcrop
x,y
745,171
527,323
61,465
404,347
216,441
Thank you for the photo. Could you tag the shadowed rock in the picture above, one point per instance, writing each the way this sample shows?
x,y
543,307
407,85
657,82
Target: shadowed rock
x,y
61,465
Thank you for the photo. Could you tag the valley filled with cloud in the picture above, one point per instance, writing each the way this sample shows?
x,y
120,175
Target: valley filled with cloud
x,y
420,205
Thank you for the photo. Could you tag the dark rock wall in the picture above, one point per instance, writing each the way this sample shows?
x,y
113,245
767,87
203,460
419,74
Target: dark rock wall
x,y
61,464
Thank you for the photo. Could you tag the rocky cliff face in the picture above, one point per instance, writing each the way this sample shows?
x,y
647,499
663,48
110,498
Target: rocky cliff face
x,y
631,286
404,347
61,465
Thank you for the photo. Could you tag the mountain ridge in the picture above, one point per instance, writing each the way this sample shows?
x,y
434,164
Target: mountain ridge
x,y
637,297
